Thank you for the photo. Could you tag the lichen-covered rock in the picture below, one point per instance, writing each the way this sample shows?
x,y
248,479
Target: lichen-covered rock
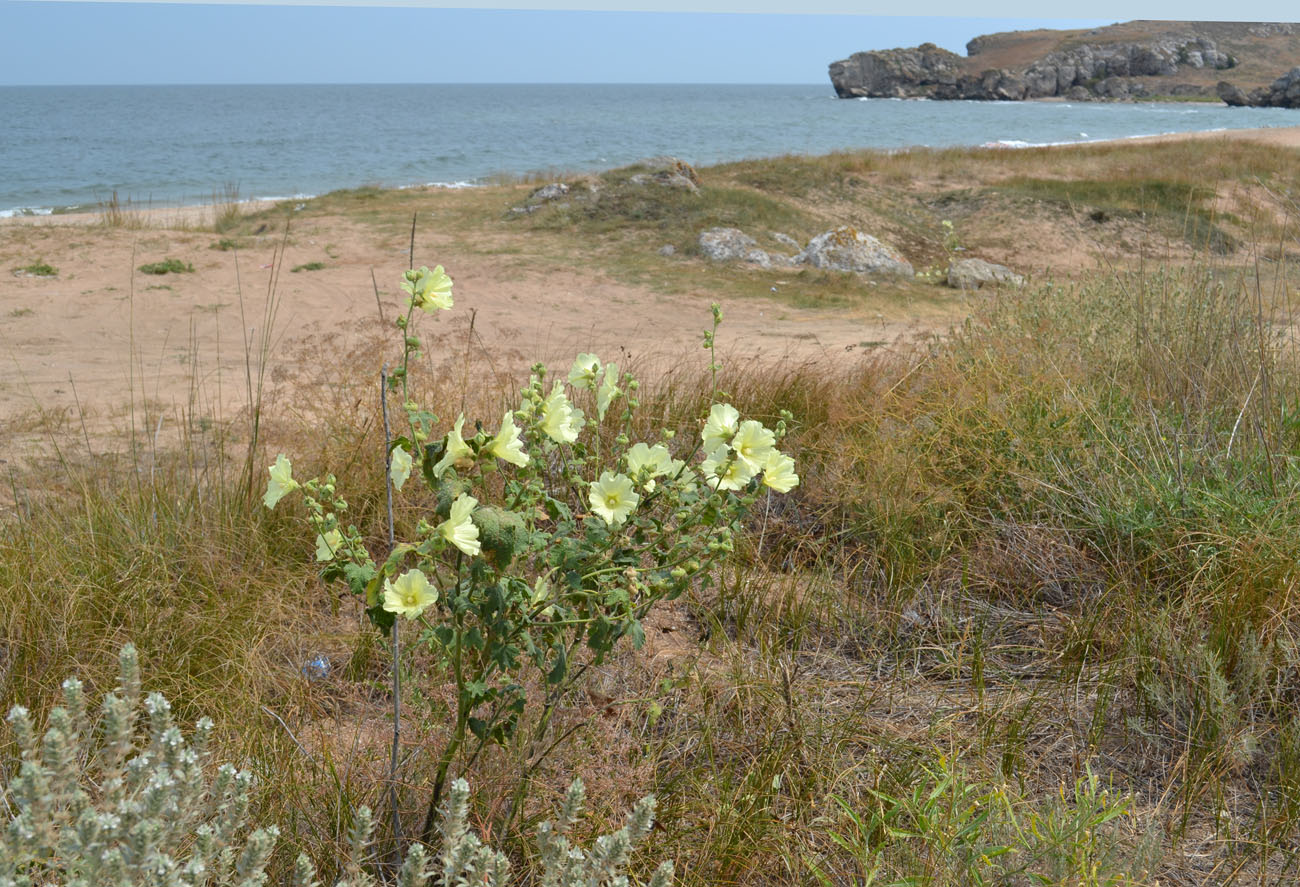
x,y
972,274
847,249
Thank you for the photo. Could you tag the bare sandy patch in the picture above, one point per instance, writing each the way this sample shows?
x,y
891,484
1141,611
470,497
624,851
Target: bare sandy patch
x,y
102,340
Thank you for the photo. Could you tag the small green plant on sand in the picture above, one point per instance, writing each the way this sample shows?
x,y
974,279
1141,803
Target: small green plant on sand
x,y
167,266
39,268
129,801
309,266
546,542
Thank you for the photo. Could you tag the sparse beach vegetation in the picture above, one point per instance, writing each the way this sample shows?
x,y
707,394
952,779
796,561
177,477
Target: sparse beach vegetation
x,y
39,268
167,266
1029,617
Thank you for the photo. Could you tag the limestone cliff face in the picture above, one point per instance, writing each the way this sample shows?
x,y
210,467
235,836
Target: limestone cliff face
x,y
1081,71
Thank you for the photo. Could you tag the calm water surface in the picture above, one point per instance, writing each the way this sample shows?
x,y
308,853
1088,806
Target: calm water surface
x,y
72,147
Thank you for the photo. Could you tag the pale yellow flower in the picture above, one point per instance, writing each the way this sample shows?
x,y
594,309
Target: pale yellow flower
x,y
753,443
682,475
613,498
608,391
507,446
456,450
458,529
328,545
430,291
399,467
281,482
722,472
654,460
561,422
723,423
584,371
778,472
410,595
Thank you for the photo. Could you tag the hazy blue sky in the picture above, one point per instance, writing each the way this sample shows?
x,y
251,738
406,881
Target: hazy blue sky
x,y
44,42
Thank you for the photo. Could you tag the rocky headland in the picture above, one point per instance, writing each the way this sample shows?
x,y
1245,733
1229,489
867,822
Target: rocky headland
x,y
1135,60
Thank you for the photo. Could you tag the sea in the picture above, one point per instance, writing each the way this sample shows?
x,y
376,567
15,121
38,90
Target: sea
x,y
72,148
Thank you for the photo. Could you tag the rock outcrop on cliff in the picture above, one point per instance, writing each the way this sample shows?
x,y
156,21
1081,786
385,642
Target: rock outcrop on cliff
x,y
1284,92
1170,59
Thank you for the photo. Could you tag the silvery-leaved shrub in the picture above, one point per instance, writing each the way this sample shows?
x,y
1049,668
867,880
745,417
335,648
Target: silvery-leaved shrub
x,y
126,803
551,532
465,861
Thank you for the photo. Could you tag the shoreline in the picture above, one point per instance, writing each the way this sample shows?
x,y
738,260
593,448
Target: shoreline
x,y
199,214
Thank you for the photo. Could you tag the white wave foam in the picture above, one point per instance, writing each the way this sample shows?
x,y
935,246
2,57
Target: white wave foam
x,y
19,211
450,186
272,198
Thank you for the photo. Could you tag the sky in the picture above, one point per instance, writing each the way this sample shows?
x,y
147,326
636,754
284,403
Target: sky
x,y
51,42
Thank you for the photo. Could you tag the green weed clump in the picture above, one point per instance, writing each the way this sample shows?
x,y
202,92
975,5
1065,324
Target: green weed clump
x,y
309,266
39,268
167,266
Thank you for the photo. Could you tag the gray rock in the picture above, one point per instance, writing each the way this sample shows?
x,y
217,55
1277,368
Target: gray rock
x,y
1284,92
895,73
667,250
786,240
847,249
1113,88
734,245
1270,29
726,244
971,274
553,191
